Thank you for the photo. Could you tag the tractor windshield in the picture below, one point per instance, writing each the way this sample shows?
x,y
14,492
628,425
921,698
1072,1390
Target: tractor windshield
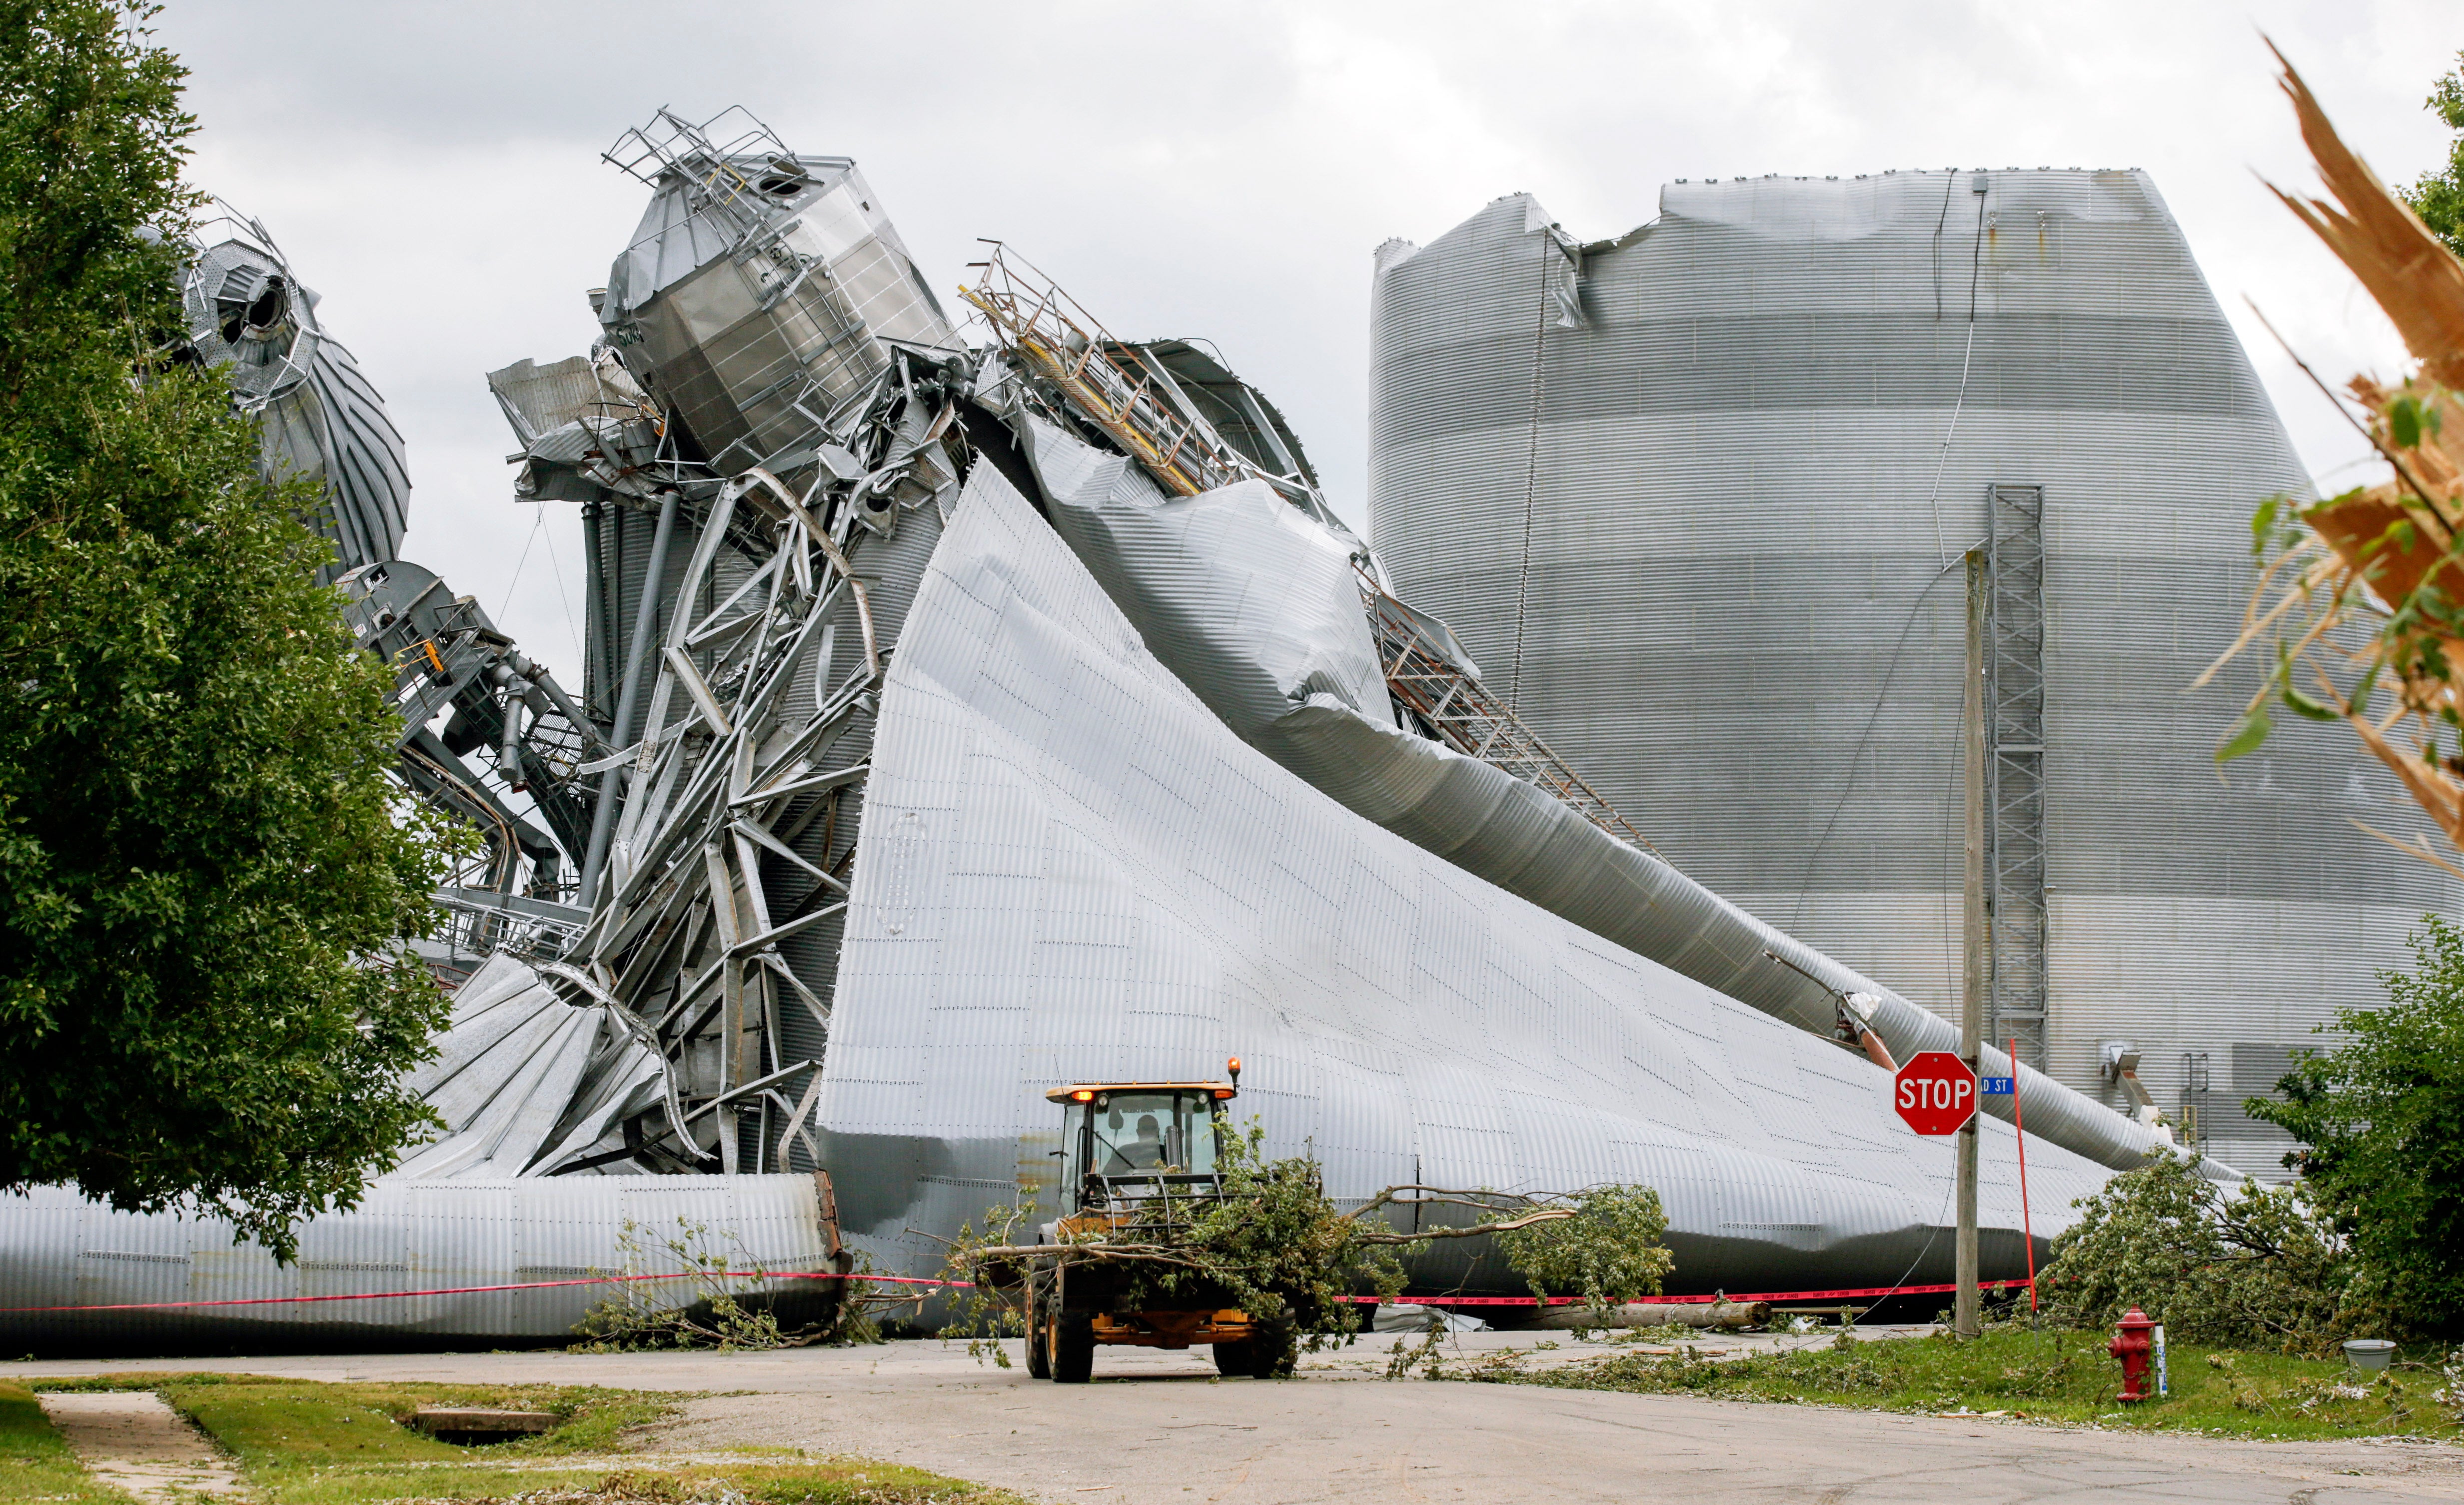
x,y
1169,1132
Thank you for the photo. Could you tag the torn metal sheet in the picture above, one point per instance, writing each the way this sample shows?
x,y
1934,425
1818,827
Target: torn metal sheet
x,y
1069,370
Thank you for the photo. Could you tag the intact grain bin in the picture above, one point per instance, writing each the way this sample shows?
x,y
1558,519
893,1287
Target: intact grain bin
x,y
1697,499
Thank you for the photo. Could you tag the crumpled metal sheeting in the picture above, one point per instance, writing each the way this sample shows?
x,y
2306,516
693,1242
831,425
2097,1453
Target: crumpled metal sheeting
x,y
1222,589
1071,868
523,1080
538,399
586,428
56,1248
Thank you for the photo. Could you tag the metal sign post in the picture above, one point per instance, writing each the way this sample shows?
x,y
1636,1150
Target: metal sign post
x,y
2019,1133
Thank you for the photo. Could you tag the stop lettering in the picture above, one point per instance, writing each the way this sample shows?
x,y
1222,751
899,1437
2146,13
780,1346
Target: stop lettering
x,y
1935,1092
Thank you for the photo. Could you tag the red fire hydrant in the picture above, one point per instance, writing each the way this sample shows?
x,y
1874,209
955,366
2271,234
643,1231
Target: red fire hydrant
x,y
2131,1344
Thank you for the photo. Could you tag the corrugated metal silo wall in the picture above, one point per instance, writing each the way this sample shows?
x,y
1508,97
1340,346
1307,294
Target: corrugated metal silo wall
x,y
1724,479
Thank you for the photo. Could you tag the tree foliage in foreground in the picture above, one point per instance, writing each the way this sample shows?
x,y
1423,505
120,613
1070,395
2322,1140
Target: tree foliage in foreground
x,y
2439,197
2383,1117
2368,1243
202,882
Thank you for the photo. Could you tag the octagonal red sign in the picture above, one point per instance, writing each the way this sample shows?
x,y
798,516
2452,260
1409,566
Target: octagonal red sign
x,y
1935,1092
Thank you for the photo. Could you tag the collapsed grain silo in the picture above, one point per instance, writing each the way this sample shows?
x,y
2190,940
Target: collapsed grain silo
x,y
958,721
1696,498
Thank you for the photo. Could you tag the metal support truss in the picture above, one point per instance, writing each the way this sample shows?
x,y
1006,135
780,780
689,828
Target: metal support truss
x,y
1461,711
1133,403
449,663
733,849
2015,788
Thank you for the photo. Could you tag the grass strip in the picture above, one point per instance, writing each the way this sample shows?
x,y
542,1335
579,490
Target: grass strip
x,y
36,1463
300,1441
2063,1376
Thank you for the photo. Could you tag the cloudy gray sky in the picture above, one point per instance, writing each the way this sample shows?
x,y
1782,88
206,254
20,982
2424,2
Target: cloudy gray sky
x,y
1225,169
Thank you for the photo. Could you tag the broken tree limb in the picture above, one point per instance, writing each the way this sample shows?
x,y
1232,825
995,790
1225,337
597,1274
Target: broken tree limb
x,y
1725,1315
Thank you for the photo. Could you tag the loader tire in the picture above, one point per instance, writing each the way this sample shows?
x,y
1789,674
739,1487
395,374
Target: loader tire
x,y
1038,1343
1074,1347
1234,1360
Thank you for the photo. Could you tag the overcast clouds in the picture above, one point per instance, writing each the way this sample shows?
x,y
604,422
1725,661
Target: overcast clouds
x,y
1223,171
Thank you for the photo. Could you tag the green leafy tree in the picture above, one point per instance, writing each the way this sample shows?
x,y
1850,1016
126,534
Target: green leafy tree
x,y
2439,197
203,879
2259,1267
2383,1117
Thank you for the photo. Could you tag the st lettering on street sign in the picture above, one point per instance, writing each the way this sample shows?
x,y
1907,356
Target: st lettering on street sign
x,y
1935,1092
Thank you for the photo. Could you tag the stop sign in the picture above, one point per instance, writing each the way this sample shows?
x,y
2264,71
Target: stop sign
x,y
1935,1092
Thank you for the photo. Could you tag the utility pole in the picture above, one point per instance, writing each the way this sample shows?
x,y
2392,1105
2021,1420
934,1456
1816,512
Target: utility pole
x,y
1973,981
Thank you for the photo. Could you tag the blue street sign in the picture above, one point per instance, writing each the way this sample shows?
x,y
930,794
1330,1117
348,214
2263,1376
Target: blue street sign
x,y
1998,1086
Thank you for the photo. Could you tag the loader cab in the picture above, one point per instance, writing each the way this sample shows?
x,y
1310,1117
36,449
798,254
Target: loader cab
x,y
1125,1142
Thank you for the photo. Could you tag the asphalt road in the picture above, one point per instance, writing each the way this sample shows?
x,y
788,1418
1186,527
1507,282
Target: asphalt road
x,y
1159,1426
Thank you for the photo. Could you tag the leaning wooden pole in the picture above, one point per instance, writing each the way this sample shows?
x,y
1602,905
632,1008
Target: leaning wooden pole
x,y
1971,998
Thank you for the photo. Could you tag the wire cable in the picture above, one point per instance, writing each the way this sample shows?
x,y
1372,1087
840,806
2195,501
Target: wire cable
x,y
556,570
1975,269
539,520
1864,739
1954,801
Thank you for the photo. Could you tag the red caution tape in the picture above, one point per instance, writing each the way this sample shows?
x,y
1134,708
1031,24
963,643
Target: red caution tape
x,y
923,1280
1752,1295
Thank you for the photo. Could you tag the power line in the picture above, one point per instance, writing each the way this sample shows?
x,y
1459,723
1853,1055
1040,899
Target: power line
x,y
1864,739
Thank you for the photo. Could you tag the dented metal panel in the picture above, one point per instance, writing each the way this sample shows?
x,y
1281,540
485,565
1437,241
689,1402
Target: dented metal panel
x,y
57,1249
1254,607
